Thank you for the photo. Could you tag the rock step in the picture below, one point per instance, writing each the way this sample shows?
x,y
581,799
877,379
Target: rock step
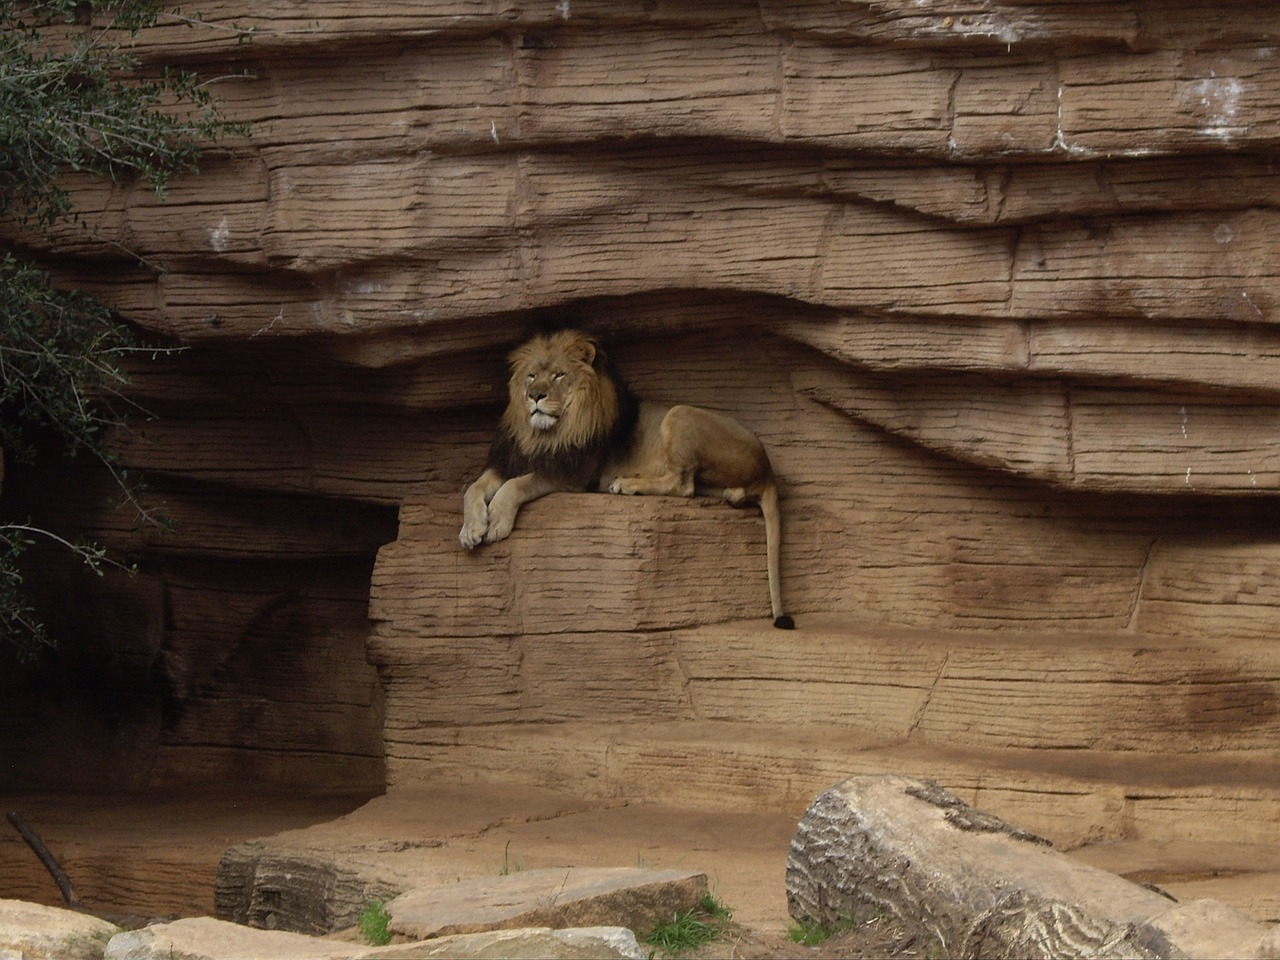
x,y
1071,797
1107,690
1104,691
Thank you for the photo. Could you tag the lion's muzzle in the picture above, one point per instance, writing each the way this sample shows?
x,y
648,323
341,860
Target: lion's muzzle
x,y
540,418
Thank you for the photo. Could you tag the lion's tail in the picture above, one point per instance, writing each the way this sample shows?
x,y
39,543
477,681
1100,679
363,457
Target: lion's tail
x,y
773,546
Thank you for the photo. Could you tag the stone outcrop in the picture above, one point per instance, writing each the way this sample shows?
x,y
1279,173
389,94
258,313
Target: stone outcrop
x,y
994,281
971,885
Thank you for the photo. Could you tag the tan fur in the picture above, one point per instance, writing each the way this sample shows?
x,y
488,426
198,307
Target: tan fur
x,y
570,417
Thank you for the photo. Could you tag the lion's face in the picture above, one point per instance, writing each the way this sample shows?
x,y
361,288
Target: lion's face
x,y
549,386
558,399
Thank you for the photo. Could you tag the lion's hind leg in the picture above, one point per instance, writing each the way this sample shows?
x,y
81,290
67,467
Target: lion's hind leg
x,y
673,483
734,496
672,466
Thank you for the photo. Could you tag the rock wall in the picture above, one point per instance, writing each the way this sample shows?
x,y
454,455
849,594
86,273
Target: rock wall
x,y
995,282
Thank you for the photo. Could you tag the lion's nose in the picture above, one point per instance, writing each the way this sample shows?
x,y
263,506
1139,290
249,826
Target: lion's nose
x,y
536,395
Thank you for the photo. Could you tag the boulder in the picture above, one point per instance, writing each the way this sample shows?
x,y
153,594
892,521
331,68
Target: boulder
x,y
303,891
204,938
971,885
30,931
534,943
556,897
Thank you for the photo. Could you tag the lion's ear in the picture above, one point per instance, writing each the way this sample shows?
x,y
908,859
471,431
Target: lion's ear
x,y
588,350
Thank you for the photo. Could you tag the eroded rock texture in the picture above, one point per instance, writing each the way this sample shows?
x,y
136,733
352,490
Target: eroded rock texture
x,y
995,282
969,885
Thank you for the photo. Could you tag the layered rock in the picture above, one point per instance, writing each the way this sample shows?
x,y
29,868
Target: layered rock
x,y
994,282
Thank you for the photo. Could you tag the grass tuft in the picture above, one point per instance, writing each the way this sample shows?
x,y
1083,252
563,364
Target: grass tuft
x,y
687,931
811,933
808,933
374,924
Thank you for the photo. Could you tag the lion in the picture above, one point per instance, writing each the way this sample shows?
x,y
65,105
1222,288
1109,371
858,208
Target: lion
x,y
571,424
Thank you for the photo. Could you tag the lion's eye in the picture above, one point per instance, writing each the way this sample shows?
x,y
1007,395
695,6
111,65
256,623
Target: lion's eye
x,y
530,377
559,376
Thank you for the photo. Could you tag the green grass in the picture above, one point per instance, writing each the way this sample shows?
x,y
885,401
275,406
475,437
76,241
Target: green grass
x,y
374,924
811,933
808,933
692,929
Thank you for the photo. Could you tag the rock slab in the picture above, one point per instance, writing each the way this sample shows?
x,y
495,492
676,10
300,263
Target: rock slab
x,y
972,885
30,931
204,938
558,897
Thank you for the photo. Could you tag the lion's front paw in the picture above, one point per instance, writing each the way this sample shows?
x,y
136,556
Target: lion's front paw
x,y
471,535
500,527
623,485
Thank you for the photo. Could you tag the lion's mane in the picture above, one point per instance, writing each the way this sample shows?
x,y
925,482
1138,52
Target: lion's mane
x,y
599,420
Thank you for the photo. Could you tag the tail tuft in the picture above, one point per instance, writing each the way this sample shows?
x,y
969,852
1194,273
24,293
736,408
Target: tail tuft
x,y
784,622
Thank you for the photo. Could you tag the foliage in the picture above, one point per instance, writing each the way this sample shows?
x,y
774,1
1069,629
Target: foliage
x,y
72,98
374,924
17,618
59,352
687,931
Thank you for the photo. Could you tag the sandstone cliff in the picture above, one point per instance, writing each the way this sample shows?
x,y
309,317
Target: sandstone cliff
x,y
996,282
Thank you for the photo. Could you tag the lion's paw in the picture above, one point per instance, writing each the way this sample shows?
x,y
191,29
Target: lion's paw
x,y
622,485
471,536
499,530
